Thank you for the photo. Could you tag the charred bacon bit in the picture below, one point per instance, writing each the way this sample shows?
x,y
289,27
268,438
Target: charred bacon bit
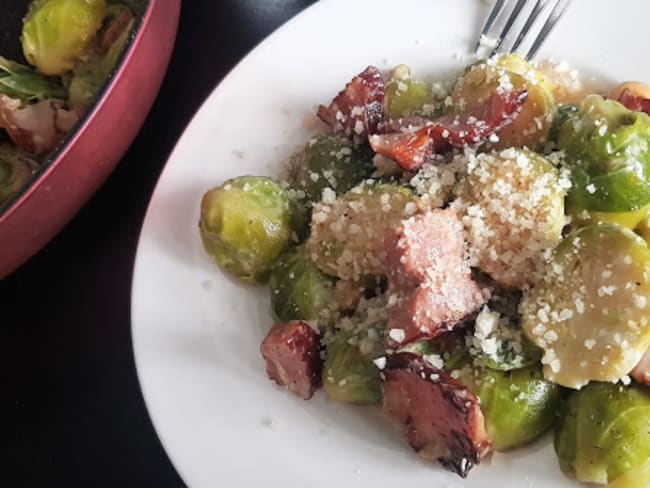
x,y
641,372
359,108
439,416
37,128
634,102
429,281
412,149
291,351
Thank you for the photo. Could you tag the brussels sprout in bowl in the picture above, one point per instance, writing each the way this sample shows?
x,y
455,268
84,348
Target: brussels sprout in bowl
x,y
89,74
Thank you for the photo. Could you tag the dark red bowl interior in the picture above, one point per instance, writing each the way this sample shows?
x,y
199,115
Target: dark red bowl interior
x,y
76,169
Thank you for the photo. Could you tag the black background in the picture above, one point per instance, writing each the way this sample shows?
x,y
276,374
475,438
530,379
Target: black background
x,y
71,410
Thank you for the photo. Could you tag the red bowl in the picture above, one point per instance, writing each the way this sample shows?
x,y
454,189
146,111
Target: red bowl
x,y
91,151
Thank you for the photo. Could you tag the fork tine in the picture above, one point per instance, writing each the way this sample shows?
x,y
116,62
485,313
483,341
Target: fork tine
x,y
550,23
496,10
537,9
509,23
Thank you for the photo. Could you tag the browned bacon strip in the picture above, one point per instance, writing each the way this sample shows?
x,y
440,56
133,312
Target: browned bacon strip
x,y
634,102
411,150
291,351
440,417
359,108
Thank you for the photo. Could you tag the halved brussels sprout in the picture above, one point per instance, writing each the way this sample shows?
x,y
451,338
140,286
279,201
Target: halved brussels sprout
x,y
604,435
329,161
348,375
511,72
608,149
519,406
57,32
347,233
299,290
589,312
406,96
513,208
245,225
15,171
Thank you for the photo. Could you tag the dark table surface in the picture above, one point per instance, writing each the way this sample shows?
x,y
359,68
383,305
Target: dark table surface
x,y
71,410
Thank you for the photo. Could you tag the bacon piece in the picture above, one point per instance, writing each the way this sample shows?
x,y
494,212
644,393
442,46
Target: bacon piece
x,y
634,102
412,149
359,108
291,351
439,416
116,27
429,279
641,371
38,128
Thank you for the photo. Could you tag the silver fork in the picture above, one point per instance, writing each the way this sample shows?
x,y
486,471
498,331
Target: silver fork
x,y
508,15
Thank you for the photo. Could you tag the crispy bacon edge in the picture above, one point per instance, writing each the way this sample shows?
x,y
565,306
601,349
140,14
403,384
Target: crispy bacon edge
x,y
439,416
358,109
634,102
412,149
292,354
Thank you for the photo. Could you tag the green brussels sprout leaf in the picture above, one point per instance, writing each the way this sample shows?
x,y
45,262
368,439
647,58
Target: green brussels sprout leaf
x,y
348,375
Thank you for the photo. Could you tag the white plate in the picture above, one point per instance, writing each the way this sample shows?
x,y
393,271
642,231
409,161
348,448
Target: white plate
x,y
196,333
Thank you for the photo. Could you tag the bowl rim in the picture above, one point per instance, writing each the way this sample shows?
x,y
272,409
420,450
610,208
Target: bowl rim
x,y
57,154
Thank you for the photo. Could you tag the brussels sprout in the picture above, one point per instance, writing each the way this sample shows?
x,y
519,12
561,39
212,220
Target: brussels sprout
x,y
406,96
57,32
348,375
15,171
329,161
245,225
608,149
347,233
605,433
531,127
518,405
514,211
90,75
299,290
589,312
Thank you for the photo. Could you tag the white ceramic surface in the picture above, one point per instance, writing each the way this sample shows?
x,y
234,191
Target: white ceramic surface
x,y
196,333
